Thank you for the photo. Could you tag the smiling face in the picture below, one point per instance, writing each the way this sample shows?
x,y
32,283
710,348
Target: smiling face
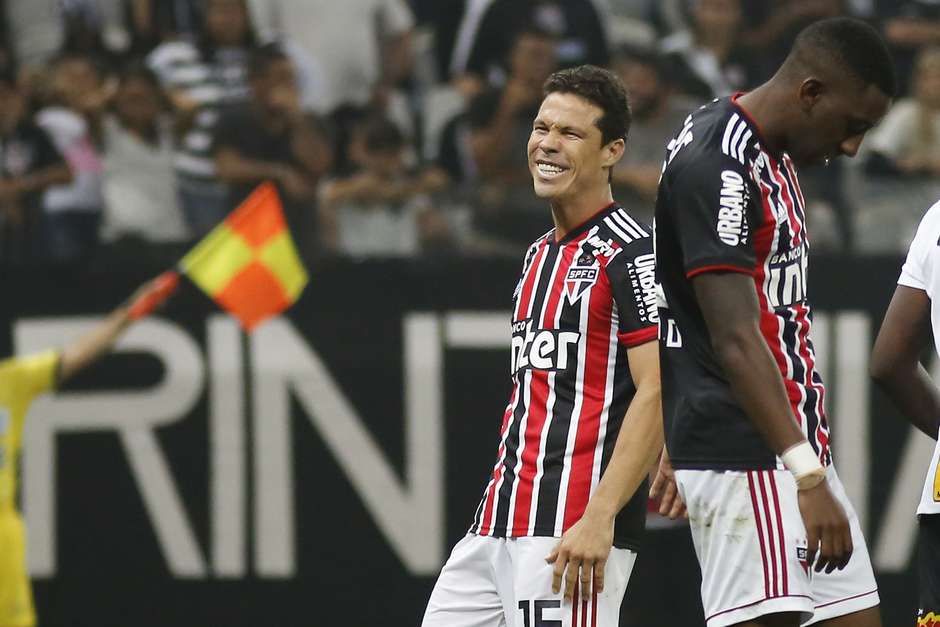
x,y
567,156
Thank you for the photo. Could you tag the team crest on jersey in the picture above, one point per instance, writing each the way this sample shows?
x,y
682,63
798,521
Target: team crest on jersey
x,y
579,279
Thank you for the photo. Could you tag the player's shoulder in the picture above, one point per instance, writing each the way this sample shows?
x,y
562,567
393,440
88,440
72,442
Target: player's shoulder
x,y
714,136
622,229
928,232
932,216
534,247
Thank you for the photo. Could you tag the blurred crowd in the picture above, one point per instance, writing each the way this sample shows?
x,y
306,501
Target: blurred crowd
x,y
397,128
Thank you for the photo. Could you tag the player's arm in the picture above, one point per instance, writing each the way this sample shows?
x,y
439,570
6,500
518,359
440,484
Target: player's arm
x,y
895,360
586,545
729,305
92,345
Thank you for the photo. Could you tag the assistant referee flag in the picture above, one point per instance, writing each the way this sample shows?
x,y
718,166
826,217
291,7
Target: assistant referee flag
x,y
248,263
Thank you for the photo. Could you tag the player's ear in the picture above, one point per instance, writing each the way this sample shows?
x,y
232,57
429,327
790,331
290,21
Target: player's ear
x,y
811,90
613,152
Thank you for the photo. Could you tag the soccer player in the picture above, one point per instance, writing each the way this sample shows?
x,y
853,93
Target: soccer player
x,y
895,365
742,398
22,379
583,424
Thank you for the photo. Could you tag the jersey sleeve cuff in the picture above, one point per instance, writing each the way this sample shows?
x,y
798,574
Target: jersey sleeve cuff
x,y
635,338
718,267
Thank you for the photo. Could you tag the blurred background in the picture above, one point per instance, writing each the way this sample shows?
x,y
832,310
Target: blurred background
x,y
318,471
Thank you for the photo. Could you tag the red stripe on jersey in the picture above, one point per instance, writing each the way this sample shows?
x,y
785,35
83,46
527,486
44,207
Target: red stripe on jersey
x,y
538,404
770,532
822,433
528,283
717,268
488,513
796,223
595,367
760,532
788,164
771,325
783,551
635,338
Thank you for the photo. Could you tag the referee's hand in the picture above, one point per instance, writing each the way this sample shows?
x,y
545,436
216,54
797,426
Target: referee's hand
x,y
828,535
580,556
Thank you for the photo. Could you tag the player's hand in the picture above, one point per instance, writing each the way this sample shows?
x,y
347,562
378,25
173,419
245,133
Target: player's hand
x,y
152,294
665,490
828,536
582,553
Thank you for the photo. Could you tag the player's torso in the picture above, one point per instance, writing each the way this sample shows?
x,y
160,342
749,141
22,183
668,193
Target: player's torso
x,y
767,206
571,386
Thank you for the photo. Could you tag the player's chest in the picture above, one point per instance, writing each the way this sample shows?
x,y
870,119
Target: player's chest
x,y
561,300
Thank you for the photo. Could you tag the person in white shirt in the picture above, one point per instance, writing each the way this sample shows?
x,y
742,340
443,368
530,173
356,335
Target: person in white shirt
x,y
895,364
140,197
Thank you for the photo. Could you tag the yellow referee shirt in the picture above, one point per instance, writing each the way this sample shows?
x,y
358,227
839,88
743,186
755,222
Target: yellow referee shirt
x,y
22,379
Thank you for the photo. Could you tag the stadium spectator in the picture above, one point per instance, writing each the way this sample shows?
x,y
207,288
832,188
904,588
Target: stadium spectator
x,y
271,138
489,30
772,25
41,29
29,163
907,142
383,209
140,198
500,121
152,22
365,46
202,78
909,25
657,112
707,60
76,96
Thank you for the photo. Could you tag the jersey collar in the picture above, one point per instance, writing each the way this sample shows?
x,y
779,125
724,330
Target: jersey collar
x,y
584,226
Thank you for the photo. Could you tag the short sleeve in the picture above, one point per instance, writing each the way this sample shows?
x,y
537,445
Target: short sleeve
x,y
632,276
914,272
715,214
34,374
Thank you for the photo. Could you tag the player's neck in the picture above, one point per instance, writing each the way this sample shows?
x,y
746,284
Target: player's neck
x,y
569,214
763,106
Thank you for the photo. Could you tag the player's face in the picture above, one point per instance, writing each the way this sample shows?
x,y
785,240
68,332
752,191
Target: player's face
x,y
836,123
566,153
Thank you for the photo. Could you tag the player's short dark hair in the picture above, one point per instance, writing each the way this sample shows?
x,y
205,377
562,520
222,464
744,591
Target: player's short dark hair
x,y
381,134
854,45
263,57
600,87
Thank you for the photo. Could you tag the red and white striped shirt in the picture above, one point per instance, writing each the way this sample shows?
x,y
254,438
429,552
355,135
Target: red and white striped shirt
x,y
580,303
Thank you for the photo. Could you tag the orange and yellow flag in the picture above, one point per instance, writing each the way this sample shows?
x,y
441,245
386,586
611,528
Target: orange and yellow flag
x,y
248,263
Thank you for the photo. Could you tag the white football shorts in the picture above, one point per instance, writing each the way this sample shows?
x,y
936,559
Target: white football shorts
x,y
505,582
751,544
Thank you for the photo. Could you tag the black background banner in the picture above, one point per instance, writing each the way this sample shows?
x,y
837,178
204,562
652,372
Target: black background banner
x,y
325,393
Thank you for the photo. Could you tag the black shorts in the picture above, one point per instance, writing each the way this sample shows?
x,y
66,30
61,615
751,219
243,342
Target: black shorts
x,y
928,567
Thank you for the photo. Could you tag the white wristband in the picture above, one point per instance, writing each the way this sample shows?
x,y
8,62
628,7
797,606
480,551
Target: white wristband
x,y
801,460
